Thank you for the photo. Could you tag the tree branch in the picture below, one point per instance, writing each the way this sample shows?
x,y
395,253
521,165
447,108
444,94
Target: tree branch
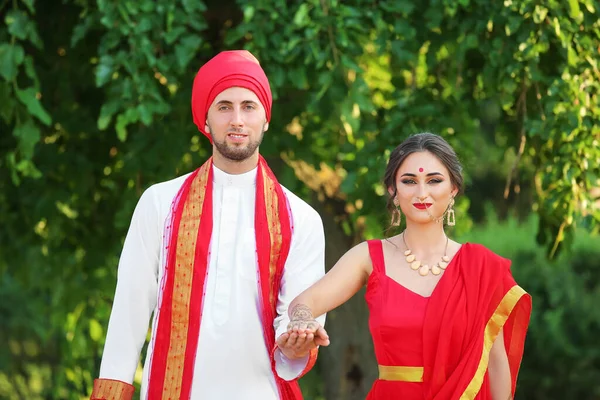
x,y
334,49
4,3
522,108
538,96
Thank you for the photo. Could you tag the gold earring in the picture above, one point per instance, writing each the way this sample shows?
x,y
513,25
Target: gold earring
x,y
451,215
396,215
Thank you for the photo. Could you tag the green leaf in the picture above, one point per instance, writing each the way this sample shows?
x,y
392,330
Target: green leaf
x,y
193,5
403,55
104,70
128,117
81,30
29,4
27,168
173,34
29,98
572,57
11,56
18,23
30,71
574,10
34,38
121,128
198,24
146,24
28,135
96,333
147,5
145,114
21,27
301,16
403,7
249,13
7,101
186,49
539,14
106,113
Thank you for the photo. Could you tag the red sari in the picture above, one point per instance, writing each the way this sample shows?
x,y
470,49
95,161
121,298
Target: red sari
x,y
442,343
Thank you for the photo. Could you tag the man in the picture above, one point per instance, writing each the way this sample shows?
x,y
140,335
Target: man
x,y
216,255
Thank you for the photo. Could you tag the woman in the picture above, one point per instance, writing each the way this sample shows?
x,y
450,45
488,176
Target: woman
x,y
448,320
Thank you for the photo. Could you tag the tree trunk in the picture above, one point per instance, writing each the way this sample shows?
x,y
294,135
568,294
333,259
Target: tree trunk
x,y
348,366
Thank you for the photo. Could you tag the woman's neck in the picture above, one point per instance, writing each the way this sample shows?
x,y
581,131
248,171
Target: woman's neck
x,y
425,238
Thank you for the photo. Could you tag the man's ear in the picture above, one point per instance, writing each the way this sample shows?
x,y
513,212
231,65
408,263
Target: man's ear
x,y
266,127
207,128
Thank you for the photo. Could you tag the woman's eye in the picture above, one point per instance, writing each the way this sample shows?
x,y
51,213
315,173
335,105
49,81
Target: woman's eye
x,y
435,181
408,181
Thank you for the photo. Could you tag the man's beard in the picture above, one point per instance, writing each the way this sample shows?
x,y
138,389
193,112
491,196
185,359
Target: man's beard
x,y
237,153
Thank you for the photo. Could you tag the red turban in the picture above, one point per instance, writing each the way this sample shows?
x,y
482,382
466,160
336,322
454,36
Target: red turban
x,y
228,69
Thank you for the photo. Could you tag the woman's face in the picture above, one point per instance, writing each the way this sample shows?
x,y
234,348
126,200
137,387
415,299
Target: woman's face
x,y
424,188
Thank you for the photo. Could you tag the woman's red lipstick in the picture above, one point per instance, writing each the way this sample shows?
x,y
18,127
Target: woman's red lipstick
x,y
422,206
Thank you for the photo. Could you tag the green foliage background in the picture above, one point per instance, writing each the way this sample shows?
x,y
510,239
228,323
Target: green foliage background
x,y
94,107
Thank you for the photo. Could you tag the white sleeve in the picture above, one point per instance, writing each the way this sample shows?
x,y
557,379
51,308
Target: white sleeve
x,y
135,296
304,266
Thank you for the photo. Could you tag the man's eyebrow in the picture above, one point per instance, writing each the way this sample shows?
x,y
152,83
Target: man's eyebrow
x,y
243,102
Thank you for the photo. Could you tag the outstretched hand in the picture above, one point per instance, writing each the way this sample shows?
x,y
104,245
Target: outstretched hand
x,y
301,337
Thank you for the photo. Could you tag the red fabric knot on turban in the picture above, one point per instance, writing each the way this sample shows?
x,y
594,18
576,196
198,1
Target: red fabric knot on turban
x,y
236,68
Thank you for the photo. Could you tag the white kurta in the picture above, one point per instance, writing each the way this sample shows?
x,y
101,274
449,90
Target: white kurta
x,y
232,360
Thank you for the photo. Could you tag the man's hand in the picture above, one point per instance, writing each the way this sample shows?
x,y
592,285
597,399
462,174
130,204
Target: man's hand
x,y
303,334
301,338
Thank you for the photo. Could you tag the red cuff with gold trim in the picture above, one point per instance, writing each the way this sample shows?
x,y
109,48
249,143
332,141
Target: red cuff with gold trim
x,y
312,359
110,389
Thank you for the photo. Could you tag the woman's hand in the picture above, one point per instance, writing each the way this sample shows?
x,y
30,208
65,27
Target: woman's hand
x,y
303,334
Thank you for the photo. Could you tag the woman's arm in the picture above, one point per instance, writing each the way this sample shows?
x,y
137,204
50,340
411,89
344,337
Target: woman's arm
x,y
346,278
499,371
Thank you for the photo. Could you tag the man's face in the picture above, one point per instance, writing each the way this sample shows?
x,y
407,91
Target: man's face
x,y
236,121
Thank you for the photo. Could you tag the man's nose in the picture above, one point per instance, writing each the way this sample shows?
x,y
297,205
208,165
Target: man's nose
x,y
236,118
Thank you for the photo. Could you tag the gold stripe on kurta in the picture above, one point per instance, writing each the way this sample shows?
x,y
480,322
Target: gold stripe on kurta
x,y
492,329
184,272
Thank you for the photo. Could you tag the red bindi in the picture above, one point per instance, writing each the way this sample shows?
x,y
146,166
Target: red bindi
x,y
420,169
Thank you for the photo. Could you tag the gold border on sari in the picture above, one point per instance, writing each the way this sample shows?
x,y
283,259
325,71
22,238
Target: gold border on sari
x,y
492,329
400,373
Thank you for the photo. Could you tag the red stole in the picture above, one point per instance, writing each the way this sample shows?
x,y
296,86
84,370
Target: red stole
x,y
188,238
474,300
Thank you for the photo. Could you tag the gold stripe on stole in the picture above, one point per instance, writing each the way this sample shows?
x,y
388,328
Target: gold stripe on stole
x,y
492,329
110,389
184,271
272,211
403,374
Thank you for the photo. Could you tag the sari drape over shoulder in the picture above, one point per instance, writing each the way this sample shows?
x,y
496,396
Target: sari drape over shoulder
x,y
475,299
